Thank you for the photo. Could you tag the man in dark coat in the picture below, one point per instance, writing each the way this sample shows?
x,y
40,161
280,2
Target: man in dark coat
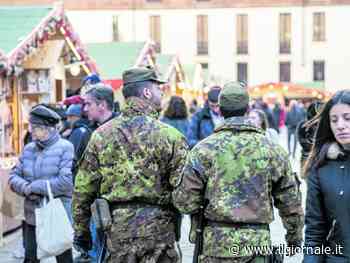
x,y
204,121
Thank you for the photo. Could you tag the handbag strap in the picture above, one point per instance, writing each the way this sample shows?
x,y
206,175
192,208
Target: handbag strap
x,y
49,190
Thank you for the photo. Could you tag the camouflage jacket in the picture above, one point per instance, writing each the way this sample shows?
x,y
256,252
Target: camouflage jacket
x,y
133,157
241,174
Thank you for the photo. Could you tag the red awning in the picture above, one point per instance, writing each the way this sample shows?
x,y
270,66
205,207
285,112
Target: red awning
x,y
114,83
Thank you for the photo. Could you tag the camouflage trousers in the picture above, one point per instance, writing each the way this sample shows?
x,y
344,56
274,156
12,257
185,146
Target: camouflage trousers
x,y
154,249
207,259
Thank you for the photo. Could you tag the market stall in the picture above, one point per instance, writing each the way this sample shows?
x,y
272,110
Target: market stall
x,y
282,91
113,58
40,55
171,70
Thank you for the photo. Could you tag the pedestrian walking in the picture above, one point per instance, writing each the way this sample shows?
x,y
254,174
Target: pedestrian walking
x,y
259,119
47,158
133,162
294,116
203,122
176,115
233,177
327,213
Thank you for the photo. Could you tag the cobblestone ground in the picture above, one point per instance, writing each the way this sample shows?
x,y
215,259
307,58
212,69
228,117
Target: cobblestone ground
x,y
13,242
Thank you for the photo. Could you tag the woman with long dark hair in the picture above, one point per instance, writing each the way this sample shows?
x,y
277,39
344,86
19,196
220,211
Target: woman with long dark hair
x,y
176,115
327,217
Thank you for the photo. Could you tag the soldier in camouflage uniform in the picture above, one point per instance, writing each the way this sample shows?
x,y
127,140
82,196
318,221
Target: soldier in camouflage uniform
x,y
241,174
133,162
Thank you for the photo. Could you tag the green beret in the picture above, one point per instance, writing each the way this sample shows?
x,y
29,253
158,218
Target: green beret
x,y
234,96
140,74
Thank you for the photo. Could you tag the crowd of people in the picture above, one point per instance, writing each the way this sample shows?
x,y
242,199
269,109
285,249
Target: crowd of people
x,y
222,164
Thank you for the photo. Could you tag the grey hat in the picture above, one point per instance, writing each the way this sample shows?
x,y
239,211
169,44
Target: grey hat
x,y
74,110
43,115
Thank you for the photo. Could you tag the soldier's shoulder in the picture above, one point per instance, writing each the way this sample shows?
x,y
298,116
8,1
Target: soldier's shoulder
x,y
169,132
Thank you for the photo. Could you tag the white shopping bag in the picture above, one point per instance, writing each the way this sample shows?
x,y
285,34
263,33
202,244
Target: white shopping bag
x,y
54,232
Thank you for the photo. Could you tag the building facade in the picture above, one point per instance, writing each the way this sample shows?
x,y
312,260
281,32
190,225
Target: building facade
x,y
257,41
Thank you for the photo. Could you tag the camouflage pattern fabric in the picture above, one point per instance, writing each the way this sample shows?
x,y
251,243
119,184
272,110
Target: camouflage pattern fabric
x,y
143,250
133,157
241,174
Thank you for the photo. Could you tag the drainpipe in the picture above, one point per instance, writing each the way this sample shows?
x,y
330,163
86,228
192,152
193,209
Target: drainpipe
x,y
303,34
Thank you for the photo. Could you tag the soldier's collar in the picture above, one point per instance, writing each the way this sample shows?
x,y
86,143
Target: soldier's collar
x,y
238,124
138,106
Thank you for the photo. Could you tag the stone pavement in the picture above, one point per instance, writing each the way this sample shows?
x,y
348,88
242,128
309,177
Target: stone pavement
x,y
13,242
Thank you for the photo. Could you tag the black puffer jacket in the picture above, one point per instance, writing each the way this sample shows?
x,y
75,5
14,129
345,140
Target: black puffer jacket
x,y
327,217
79,137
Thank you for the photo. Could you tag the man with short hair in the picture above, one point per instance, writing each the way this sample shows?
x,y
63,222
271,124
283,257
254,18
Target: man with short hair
x,y
99,109
237,174
133,162
204,121
99,103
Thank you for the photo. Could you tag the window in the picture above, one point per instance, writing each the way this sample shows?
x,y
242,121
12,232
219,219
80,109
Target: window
x,y
155,31
285,72
202,35
319,71
319,23
285,33
204,65
242,34
242,72
115,28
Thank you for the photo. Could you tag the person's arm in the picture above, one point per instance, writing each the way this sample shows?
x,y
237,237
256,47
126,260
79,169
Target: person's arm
x,y
177,163
86,191
16,181
287,197
188,195
316,228
80,139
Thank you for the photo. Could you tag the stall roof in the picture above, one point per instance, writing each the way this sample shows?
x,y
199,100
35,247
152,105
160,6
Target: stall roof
x,y
23,30
164,63
16,23
114,58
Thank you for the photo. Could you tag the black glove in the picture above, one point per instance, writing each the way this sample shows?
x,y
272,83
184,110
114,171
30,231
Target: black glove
x,y
82,243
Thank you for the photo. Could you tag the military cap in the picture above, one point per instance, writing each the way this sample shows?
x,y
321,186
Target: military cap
x,y
141,74
234,96
43,115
